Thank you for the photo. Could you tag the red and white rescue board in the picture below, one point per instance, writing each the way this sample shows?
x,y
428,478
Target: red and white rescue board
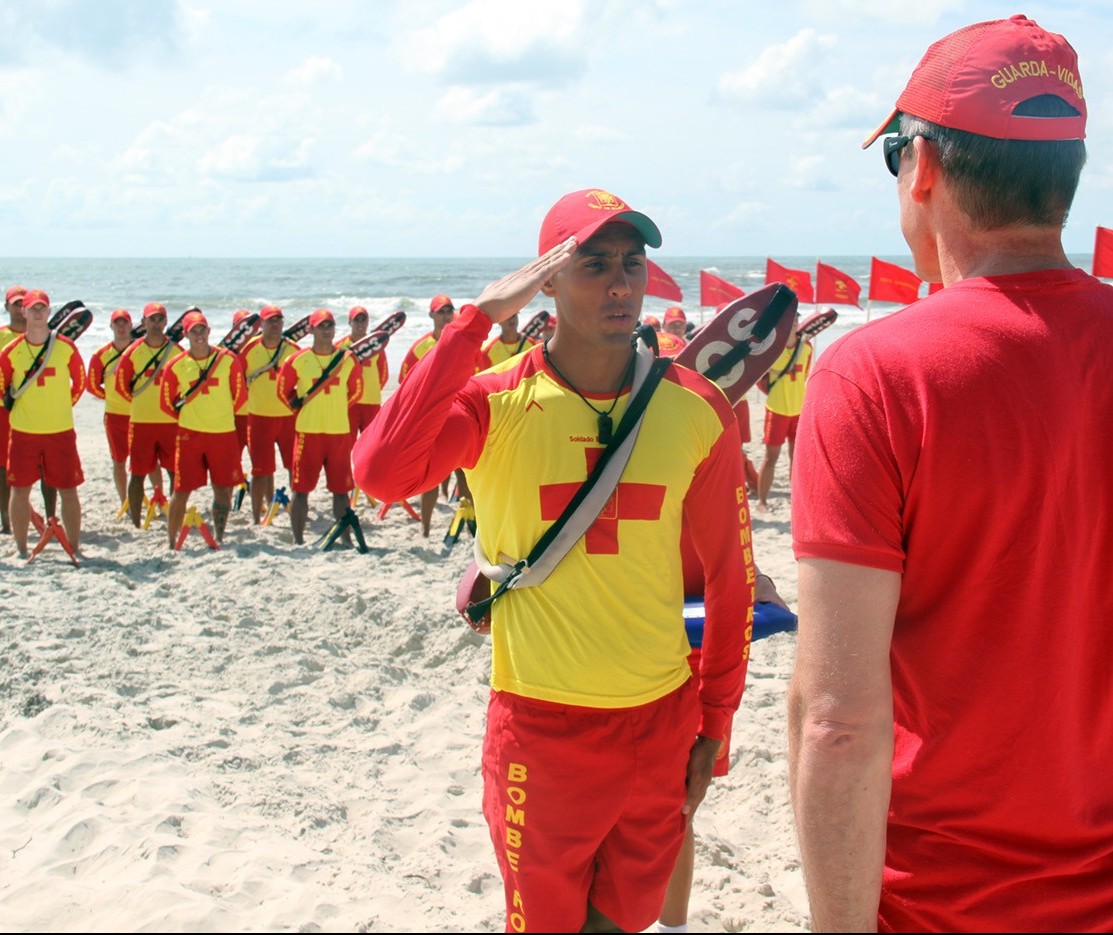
x,y
737,346
813,324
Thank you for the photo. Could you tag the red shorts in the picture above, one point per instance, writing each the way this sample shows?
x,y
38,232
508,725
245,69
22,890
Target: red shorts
x,y
207,457
362,415
584,804
241,431
779,428
151,444
316,450
54,454
116,427
5,436
742,414
263,433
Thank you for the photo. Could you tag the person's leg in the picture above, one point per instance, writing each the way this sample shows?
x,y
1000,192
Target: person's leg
x,y
462,484
299,513
222,503
71,515
765,476
20,507
175,513
340,507
262,493
120,478
428,503
5,499
135,499
674,910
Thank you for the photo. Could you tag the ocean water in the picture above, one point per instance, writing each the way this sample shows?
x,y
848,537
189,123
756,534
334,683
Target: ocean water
x,y
298,286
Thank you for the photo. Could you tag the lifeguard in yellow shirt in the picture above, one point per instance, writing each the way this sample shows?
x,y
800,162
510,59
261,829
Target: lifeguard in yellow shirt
x,y
319,384
205,388
41,377
152,433
270,423
509,342
784,385
101,382
376,371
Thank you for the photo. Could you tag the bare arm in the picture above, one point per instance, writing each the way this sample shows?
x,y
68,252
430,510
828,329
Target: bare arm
x,y
840,719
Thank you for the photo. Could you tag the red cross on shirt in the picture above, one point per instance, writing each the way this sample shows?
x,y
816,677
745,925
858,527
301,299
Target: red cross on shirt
x,y
330,383
629,501
40,380
209,381
798,368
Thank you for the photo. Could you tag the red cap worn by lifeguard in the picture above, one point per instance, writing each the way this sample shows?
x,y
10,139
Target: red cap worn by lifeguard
x,y
438,302
356,310
320,316
153,308
15,294
192,320
973,79
119,313
675,313
33,297
582,213
268,312
239,315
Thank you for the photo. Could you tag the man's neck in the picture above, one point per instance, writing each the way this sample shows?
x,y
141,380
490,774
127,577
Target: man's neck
x,y
156,344
201,355
323,348
37,334
598,370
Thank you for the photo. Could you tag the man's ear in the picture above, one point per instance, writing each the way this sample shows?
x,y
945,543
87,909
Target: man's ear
x,y
925,173
547,288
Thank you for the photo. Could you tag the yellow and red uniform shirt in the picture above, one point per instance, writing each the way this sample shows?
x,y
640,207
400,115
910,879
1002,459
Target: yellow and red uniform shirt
x,y
213,407
497,350
376,371
418,349
327,412
262,388
605,629
786,398
46,406
136,366
101,379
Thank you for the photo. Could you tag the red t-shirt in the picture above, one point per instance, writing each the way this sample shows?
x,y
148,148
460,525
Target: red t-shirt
x,y
967,443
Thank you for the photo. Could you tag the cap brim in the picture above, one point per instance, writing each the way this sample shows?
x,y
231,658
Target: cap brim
x,y
890,124
642,224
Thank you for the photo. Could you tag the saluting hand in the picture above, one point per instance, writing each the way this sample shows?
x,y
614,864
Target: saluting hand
x,y
507,296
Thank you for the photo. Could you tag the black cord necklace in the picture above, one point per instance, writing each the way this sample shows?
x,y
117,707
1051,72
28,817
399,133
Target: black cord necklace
x,y
606,426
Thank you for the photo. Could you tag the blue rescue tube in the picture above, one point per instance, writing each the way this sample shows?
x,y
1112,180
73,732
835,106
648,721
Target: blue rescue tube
x,y
769,618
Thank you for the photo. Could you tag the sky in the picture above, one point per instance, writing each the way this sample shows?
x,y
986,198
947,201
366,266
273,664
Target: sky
x,y
438,128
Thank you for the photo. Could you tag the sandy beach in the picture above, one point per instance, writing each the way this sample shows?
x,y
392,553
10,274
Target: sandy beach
x,y
272,737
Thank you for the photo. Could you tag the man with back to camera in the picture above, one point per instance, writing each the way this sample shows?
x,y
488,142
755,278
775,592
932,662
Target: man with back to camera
x,y
951,706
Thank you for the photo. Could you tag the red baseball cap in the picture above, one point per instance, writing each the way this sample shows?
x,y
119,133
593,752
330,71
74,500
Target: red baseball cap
x,y
319,316
974,78
675,313
193,319
15,292
33,297
582,213
438,302
269,311
652,320
119,313
153,308
239,315
356,310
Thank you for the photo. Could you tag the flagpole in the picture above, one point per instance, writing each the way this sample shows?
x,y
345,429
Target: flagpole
x,y
869,305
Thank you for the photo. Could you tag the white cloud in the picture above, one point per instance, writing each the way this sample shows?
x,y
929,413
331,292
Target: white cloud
x,y
782,75
313,69
496,107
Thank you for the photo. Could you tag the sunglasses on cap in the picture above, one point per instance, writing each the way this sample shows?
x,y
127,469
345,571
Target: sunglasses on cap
x,y
891,147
